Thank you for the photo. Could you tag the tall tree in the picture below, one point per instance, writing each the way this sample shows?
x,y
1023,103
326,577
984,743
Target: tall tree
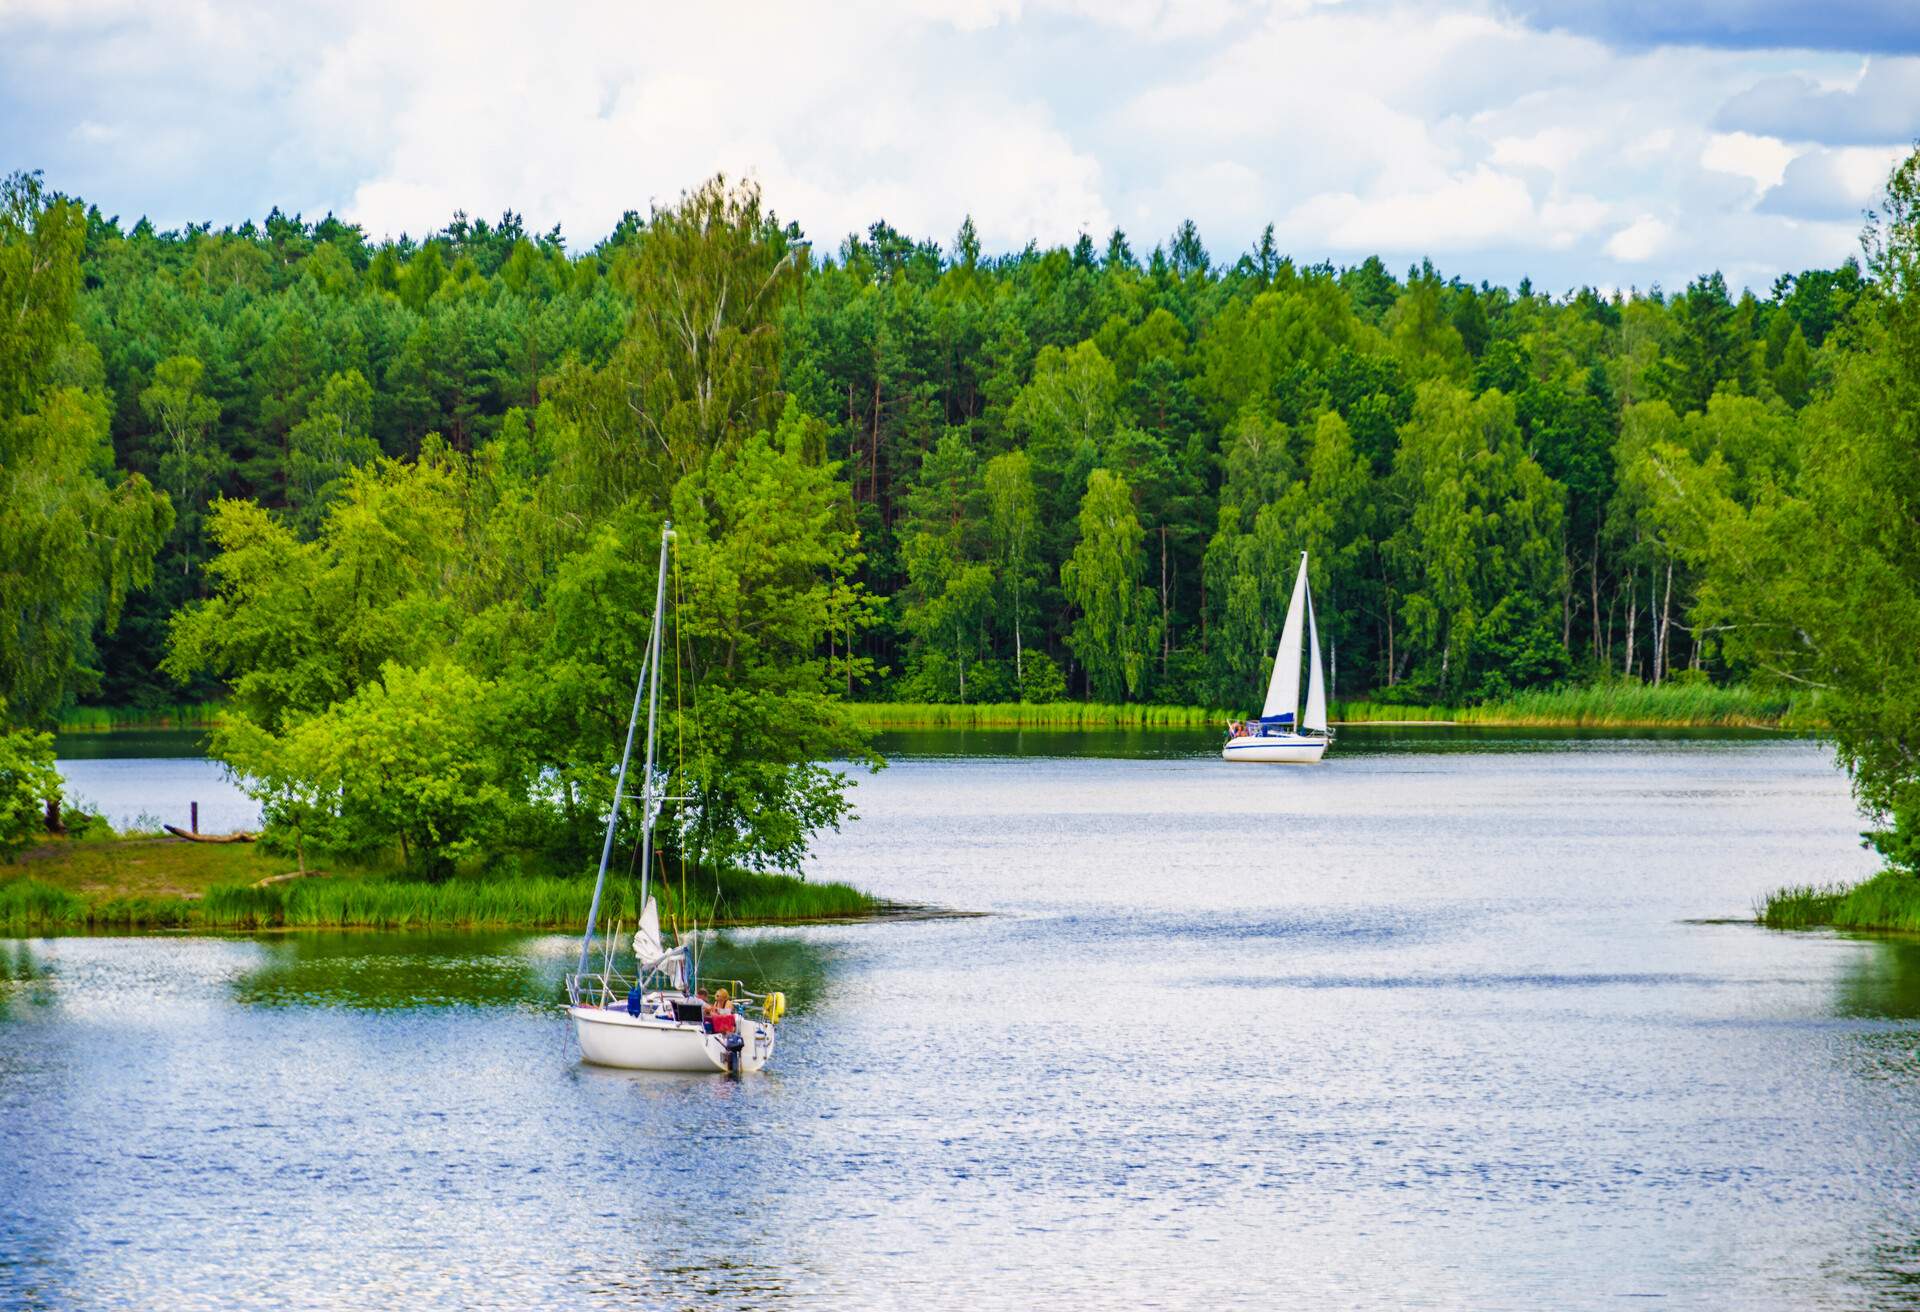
x,y
1117,629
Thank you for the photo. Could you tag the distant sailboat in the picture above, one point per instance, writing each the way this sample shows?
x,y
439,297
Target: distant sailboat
x,y
1283,732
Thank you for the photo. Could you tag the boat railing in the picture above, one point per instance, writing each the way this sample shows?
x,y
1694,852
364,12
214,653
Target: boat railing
x,y
604,988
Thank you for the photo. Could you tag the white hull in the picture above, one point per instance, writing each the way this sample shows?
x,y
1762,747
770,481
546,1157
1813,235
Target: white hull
x,y
610,1037
1289,749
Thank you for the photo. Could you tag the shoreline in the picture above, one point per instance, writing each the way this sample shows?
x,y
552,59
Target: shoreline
x,y
143,884
1887,903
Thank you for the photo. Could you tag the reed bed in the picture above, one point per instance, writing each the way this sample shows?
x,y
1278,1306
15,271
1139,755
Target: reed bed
x,y
1033,715
107,719
28,905
1889,901
1622,705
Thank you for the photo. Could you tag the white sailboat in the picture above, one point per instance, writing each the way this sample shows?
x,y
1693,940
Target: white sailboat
x,y
1283,731
658,1018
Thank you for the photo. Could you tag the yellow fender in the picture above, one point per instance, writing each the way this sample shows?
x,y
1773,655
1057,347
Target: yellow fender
x,y
775,1007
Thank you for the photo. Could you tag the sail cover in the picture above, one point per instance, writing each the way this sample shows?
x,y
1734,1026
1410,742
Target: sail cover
x,y
1283,690
1316,712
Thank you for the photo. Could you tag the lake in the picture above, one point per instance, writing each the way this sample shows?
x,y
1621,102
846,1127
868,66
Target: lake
x,y
1461,1018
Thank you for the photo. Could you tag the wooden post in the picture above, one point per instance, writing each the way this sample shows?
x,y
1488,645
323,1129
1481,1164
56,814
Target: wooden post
x,y
193,817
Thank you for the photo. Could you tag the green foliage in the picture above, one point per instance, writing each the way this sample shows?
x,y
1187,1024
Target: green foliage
x,y
28,782
1816,582
465,902
74,537
1889,900
1497,489
1041,681
1116,629
421,756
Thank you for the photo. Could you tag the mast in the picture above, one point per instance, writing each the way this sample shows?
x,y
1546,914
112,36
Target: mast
x,y
649,804
1283,690
649,664
1316,713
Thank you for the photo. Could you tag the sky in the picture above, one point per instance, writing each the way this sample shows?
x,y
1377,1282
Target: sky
x,y
1617,143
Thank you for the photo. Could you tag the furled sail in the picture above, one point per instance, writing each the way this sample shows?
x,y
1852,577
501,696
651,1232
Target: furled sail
x,y
647,947
1315,717
1283,690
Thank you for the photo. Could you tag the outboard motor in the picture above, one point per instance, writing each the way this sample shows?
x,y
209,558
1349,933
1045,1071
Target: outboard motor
x,y
734,1044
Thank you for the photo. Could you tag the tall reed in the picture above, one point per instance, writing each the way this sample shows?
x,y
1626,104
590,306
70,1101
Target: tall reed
x,y
107,719
1613,706
1889,900
736,897
1033,715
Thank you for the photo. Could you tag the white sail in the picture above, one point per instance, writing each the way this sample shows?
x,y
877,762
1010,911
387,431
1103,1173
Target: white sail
x,y
1283,690
647,947
1316,713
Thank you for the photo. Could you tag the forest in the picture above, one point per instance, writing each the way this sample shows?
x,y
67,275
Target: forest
x,y
407,491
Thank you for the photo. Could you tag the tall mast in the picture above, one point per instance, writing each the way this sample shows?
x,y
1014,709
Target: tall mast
x,y
650,663
649,804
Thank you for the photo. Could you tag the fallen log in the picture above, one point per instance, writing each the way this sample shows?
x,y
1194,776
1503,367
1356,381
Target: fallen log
x,y
291,874
237,836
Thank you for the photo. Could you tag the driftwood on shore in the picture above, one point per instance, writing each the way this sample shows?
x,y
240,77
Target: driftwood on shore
x,y
291,874
237,836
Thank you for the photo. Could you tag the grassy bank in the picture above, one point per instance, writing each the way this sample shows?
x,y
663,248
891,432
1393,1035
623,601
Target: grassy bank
x,y
1032,715
1889,900
144,883
1612,706
1601,706
107,719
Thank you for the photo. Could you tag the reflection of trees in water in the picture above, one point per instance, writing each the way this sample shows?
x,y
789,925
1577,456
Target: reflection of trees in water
x,y
796,965
24,978
1882,981
382,972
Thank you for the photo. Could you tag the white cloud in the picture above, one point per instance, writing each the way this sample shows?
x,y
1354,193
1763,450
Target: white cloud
x,y
1639,241
1373,125
1832,184
1762,159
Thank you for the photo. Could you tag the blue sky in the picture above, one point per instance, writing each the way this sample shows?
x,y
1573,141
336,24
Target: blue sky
x,y
1575,141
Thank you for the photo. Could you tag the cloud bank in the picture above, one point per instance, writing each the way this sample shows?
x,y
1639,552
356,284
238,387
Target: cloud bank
x,y
1616,144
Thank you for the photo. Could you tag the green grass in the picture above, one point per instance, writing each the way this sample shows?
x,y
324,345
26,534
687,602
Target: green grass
x,y
172,884
1623,705
520,903
1613,705
1889,900
1033,715
106,719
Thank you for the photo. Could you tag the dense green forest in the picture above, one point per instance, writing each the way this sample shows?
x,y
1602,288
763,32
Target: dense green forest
x,y
433,470
1101,460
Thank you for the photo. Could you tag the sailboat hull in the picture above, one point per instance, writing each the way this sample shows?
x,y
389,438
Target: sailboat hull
x,y
1279,749
611,1037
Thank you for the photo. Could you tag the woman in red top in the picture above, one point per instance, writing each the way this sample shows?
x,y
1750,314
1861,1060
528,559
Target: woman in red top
x,y
720,1014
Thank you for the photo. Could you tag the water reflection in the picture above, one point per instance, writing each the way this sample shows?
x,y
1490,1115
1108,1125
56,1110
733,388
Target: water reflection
x,y
1426,1027
400,971
24,978
1352,740
1882,979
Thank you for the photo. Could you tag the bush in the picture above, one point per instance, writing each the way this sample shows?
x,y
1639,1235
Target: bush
x,y
27,782
1041,680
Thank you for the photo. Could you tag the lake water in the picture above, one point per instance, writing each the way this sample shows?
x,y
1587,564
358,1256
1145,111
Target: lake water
x,y
1454,1020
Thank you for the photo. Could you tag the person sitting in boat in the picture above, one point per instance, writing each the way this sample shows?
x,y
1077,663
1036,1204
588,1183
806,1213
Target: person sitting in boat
x,y
720,1013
